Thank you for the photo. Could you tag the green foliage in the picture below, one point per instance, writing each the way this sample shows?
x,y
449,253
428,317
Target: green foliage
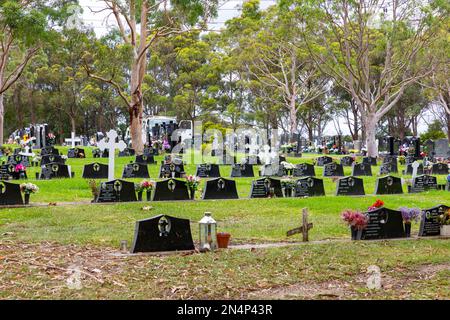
x,y
434,132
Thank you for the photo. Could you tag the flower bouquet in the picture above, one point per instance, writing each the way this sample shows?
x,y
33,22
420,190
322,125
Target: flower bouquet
x,y
27,189
357,221
444,220
408,215
20,168
147,186
192,183
376,205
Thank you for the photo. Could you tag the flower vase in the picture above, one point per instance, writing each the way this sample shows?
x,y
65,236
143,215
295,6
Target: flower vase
x,y
355,232
149,195
27,198
139,195
192,193
408,230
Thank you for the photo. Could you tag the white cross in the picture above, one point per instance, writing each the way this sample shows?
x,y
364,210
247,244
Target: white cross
x,y
415,165
109,142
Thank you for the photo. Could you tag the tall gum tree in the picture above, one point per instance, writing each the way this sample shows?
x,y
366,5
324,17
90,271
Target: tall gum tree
x,y
372,48
140,23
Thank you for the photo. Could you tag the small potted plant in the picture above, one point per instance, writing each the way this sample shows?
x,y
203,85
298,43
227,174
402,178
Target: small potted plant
x,y
94,189
27,189
444,220
408,215
146,186
357,221
192,183
377,204
223,239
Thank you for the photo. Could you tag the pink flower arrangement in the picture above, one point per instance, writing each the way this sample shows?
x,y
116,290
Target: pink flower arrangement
x,y
193,182
146,185
376,205
355,219
20,167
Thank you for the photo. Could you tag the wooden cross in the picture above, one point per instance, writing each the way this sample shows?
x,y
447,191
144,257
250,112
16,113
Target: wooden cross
x,y
304,228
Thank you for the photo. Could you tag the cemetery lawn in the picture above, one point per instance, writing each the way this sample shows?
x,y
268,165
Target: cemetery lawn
x,y
39,244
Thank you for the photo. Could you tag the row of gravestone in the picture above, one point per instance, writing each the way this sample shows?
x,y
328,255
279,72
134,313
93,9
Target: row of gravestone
x,y
166,233
384,223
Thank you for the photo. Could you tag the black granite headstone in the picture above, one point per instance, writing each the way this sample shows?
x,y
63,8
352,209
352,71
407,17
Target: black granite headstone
x,y
424,183
242,170
51,158
10,194
304,170
171,170
409,169
333,170
388,185
429,223
439,168
171,189
128,152
135,170
370,161
321,161
162,233
384,224
347,161
8,172
19,159
145,159
208,170
361,169
49,150
261,188
389,167
309,187
350,186
117,191
390,159
95,171
220,188
76,153
54,170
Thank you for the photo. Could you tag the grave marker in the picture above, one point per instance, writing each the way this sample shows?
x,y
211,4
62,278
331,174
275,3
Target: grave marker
x,y
135,170
220,188
109,142
333,170
321,161
384,224
208,170
388,185
361,169
10,194
309,187
95,171
304,228
429,223
170,190
117,191
350,186
304,170
424,183
263,188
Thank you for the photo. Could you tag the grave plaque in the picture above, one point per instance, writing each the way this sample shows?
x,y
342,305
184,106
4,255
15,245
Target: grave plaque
x,y
135,170
321,161
49,150
424,183
162,233
388,185
261,188
333,170
384,224
51,158
10,194
242,170
8,172
220,188
96,153
208,170
55,170
350,186
441,148
409,169
361,169
389,167
429,223
304,170
95,171
76,153
170,190
145,159
309,187
117,191
347,161
370,161
171,170
440,168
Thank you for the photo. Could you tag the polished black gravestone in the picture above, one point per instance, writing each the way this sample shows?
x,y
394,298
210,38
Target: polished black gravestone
x,y
135,170
409,169
97,153
347,161
361,169
51,158
95,171
370,161
171,189
321,161
162,233
76,153
145,159
350,186
439,168
389,167
390,159
429,223
261,188
10,194
304,170
220,188
19,159
333,170
171,170
128,152
424,183
8,172
208,170
388,185
49,150
309,187
384,224
117,191
54,170
242,170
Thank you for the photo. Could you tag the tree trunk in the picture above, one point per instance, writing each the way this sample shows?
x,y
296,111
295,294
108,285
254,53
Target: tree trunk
x,y
73,125
292,119
371,127
448,126
2,116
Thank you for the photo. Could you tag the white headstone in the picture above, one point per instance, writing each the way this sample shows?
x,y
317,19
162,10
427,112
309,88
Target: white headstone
x,y
415,165
110,143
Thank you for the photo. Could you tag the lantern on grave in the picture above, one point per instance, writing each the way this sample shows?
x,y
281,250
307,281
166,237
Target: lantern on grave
x,y
208,233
